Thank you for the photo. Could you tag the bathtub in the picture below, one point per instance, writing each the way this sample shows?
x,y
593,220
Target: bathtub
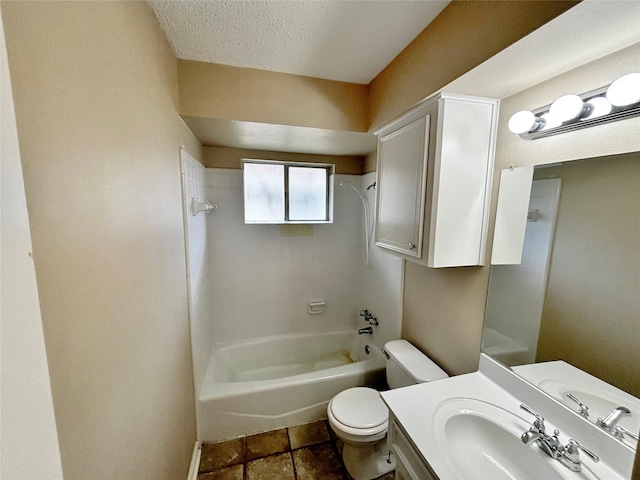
x,y
276,382
505,349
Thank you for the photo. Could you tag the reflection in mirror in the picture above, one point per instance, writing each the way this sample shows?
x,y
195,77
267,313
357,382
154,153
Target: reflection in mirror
x,y
574,300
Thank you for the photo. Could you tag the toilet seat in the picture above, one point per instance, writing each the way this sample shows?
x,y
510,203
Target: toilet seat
x,y
359,411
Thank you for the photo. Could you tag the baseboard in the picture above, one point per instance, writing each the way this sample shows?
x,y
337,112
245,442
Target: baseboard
x,y
195,463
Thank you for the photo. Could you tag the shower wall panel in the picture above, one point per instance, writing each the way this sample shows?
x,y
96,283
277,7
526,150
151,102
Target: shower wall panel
x,y
198,275
263,275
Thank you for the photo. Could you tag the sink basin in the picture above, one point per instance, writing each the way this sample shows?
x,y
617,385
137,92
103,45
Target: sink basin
x,y
481,440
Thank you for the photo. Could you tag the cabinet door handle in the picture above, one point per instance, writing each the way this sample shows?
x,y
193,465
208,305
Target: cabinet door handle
x,y
411,246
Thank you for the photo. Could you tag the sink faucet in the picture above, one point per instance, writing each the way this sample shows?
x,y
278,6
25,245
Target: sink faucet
x,y
368,330
610,422
584,410
567,455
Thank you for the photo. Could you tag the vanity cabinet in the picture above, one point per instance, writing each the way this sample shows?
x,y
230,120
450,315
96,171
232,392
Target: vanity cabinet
x,y
409,463
435,166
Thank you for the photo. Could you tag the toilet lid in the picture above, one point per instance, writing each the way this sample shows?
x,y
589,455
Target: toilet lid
x,y
359,407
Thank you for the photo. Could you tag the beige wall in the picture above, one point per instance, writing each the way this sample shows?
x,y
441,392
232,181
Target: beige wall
x,y
444,308
592,307
463,36
26,406
234,93
443,314
371,162
95,88
221,157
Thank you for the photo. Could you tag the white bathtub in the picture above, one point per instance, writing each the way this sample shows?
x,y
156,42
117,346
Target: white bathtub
x,y
275,382
505,349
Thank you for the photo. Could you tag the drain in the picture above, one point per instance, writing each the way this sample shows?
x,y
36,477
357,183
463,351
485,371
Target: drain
x,y
367,350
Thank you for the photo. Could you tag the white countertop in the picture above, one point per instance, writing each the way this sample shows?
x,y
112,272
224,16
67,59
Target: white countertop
x,y
418,410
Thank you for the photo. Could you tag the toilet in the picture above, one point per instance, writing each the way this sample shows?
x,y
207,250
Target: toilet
x,y
359,417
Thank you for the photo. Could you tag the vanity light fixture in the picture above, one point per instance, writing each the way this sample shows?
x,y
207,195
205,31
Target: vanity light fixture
x,y
618,101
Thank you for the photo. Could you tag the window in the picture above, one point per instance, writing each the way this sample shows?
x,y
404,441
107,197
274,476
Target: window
x,y
285,192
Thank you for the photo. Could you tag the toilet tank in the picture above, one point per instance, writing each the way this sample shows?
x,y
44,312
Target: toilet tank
x,y
406,365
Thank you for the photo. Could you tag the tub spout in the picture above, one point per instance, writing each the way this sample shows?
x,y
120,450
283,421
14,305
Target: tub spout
x,y
368,330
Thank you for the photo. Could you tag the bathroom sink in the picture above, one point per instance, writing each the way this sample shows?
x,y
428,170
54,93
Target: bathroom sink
x,y
481,440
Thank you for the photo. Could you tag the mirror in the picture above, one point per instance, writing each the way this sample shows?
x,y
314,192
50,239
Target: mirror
x,y
574,300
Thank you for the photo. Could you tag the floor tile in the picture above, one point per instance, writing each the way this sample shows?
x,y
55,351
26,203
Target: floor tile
x,y
265,444
308,434
318,462
219,455
275,467
230,473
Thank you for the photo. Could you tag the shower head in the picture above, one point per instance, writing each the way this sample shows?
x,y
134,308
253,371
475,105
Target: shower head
x,y
347,183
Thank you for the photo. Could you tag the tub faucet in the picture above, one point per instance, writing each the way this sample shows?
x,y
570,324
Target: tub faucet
x,y
368,330
368,317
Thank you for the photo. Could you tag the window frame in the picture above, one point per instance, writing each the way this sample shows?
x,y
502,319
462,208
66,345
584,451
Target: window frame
x,y
329,189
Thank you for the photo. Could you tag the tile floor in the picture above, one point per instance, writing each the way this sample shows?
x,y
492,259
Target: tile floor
x,y
303,452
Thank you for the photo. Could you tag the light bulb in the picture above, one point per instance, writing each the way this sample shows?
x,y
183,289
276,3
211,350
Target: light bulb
x,y
524,121
550,122
599,107
625,90
567,108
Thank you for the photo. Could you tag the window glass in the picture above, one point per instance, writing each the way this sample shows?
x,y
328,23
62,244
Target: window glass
x,y
287,192
263,193
307,193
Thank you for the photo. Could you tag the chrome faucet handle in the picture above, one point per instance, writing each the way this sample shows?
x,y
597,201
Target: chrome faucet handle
x,y
365,313
584,410
620,432
373,321
573,446
539,422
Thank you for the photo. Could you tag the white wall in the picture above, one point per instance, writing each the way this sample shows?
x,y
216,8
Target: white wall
x,y
381,285
261,279
28,437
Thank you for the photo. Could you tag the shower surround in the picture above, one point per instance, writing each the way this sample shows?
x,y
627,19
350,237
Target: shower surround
x,y
254,281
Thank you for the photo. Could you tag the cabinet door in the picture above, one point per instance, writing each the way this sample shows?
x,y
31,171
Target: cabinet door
x,y
462,174
511,215
402,168
409,465
401,472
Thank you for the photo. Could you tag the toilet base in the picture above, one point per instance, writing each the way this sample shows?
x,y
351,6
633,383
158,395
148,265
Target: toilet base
x,y
368,461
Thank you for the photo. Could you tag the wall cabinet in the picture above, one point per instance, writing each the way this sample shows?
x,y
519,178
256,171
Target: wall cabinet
x,y
435,166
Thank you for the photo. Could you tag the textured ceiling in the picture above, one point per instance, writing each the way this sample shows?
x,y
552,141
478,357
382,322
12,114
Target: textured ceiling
x,y
346,40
